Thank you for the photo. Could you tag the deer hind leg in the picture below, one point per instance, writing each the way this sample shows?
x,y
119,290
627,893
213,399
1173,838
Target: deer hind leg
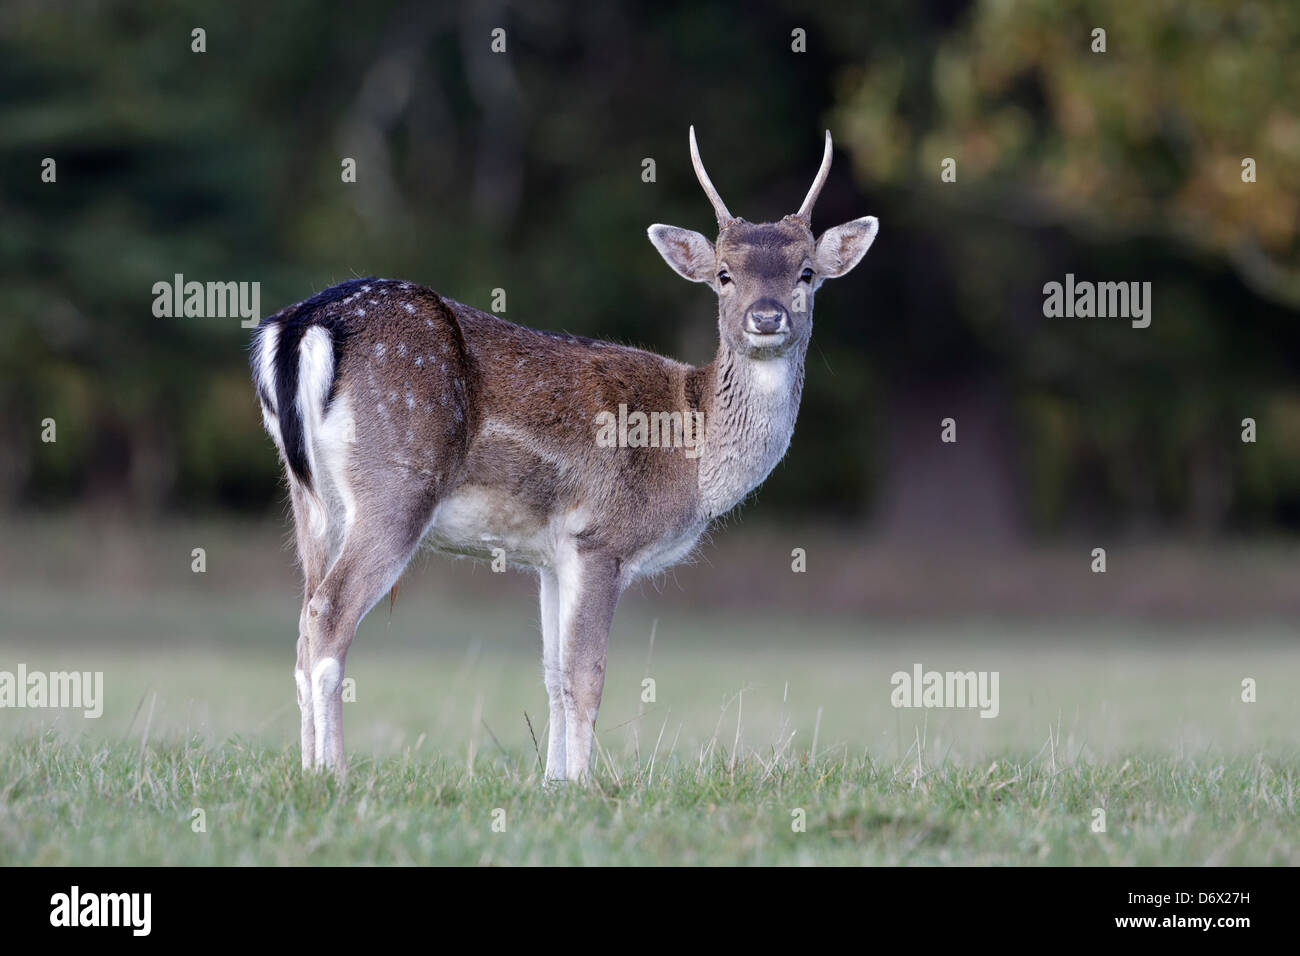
x,y
552,673
378,544
313,553
589,592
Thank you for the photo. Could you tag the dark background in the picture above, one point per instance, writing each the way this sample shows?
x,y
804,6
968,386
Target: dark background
x,y
523,171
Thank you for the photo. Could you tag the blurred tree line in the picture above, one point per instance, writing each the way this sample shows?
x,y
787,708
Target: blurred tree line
x,y
523,171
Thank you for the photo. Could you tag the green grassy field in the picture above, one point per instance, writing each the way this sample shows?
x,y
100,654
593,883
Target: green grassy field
x,y
746,728
755,717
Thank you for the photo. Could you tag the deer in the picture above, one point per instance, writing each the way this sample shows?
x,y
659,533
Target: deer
x,y
404,418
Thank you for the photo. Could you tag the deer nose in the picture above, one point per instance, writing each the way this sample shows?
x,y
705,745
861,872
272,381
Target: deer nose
x,y
766,317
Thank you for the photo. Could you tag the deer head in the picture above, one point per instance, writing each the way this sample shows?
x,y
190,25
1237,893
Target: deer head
x,y
764,274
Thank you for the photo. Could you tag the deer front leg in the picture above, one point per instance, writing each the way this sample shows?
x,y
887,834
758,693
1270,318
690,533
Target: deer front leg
x,y
552,673
589,591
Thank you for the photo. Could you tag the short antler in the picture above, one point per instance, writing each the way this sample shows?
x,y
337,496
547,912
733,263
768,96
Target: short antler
x,y
719,207
805,211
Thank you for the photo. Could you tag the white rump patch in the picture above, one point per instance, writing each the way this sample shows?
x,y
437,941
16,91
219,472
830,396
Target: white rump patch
x,y
315,375
316,368
334,446
268,338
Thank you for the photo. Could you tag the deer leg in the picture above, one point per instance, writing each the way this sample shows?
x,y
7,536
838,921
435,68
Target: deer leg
x,y
552,673
589,592
313,553
376,549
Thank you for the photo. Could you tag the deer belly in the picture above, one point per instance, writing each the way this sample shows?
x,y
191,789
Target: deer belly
x,y
484,523
669,550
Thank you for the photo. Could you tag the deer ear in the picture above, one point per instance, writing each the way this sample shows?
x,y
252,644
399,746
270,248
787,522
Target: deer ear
x,y
689,253
842,248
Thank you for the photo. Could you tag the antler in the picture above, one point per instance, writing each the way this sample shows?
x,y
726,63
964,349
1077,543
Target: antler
x,y
805,211
719,207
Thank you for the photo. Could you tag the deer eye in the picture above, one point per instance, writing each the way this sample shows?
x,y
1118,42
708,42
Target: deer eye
x,y
806,276
724,277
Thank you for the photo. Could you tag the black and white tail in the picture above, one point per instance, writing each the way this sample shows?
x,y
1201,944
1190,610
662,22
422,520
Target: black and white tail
x,y
294,359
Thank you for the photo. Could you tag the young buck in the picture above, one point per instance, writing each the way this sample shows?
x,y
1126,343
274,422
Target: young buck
x,y
403,416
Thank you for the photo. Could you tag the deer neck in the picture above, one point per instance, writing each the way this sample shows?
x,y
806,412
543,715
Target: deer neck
x,y
750,411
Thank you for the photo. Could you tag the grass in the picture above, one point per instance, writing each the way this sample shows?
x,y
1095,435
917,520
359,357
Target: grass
x,y
72,802
755,716
711,772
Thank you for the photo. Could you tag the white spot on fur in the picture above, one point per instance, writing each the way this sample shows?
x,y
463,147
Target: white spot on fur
x,y
410,308
380,349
